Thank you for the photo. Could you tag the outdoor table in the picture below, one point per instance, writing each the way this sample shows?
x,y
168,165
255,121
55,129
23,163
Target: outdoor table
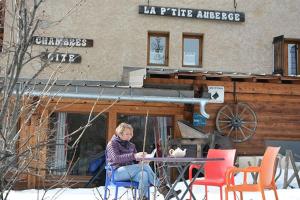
x,y
181,164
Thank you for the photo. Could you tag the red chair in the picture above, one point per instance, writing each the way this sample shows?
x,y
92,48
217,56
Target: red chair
x,y
214,172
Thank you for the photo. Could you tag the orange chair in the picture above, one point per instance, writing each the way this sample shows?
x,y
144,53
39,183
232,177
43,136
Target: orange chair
x,y
214,172
266,176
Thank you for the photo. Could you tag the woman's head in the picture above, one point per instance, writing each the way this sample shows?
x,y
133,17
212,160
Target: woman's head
x,y
124,131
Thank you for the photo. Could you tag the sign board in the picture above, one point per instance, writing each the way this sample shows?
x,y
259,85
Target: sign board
x,y
216,94
193,13
61,57
199,120
62,42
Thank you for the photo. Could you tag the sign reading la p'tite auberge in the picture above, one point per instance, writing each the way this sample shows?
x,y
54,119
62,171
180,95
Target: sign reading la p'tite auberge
x,y
193,13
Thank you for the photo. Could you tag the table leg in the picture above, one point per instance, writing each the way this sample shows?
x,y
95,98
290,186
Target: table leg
x,y
186,184
172,190
194,178
180,177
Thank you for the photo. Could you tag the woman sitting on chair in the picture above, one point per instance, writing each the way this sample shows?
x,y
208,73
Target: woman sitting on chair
x,y
122,155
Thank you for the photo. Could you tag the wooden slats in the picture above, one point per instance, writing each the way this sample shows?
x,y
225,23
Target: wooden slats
x,y
274,99
215,76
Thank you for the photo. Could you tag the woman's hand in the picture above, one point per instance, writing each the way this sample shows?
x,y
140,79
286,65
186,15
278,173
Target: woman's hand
x,y
140,155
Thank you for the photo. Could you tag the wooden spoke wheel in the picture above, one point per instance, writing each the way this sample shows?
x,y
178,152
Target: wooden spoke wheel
x,y
237,121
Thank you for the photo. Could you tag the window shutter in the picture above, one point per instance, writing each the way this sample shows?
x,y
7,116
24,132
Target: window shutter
x,y
278,43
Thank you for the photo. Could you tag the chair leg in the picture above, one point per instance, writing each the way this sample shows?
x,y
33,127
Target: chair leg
x,y
191,189
206,192
234,195
105,192
221,193
116,193
275,190
241,195
263,194
226,193
135,194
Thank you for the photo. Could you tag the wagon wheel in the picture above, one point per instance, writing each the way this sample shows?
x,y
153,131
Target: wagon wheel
x,y
237,121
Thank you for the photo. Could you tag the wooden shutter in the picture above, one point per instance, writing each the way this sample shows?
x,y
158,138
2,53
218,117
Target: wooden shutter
x,y
278,43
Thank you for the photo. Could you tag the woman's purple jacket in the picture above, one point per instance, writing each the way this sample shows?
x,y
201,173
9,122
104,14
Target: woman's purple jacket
x,y
120,152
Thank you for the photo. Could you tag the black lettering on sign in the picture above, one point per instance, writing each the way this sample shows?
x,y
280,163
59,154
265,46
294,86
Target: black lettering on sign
x,y
61,57
63,42
193,13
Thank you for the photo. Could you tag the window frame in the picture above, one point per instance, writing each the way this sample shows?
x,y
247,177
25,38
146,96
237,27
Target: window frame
x,y
286,52
48,152
280,55
198,36
158,34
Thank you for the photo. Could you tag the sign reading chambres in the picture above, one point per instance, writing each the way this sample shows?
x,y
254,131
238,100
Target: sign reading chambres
x,y
63,42
193,13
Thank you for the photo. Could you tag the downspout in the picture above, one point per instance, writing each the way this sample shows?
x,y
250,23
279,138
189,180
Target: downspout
x,y
201,101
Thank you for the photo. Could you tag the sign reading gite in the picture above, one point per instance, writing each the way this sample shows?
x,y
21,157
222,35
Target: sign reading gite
x,y
61,57
193,13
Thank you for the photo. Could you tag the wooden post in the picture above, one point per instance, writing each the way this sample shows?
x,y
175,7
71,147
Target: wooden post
x,y
112,124
32,160
177,133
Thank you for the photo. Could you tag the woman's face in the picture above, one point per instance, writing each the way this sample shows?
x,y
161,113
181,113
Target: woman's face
x,y
126,135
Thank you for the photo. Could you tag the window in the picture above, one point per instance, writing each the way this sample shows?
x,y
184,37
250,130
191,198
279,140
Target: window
x,y
286,56
192,50
293,59
159,129
158,49
65,155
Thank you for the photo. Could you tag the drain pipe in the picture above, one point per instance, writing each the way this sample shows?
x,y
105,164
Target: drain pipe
x,y
201,101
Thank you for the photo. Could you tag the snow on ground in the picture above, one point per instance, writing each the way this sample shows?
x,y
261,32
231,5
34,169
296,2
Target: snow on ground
x,y
94,193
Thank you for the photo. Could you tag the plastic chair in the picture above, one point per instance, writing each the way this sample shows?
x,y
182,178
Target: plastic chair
x,y
266,173
214,172
110,181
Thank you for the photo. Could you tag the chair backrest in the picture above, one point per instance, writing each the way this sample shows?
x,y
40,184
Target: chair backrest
x,y
268,166
217,169
109,171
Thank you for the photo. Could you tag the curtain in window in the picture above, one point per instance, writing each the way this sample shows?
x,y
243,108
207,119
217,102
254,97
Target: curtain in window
x,y
163,130
292,59
60,159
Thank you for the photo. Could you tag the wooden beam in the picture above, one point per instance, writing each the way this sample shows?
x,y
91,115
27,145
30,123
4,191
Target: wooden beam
x,y
112,124
177,133
241,87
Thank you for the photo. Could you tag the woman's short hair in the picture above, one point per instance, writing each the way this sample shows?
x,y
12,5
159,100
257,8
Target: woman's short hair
x,y
120,129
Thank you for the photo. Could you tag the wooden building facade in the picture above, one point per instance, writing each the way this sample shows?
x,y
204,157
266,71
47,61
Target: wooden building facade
x,y
113,42
274,100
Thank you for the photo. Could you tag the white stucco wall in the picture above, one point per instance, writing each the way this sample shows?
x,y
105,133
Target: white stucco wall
x,y
120,34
